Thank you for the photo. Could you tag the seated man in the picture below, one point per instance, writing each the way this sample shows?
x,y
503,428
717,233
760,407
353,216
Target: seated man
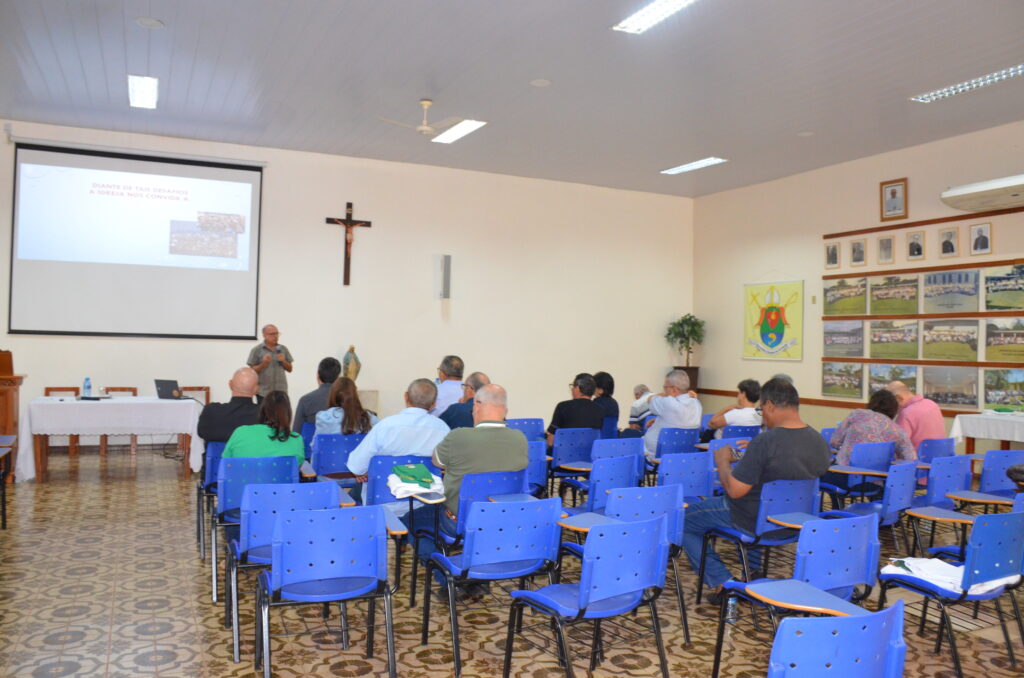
x,y
218,421
789,450
640,408
316,400
581,411
488,446
920,417
412,431
675,407
449,384
460,414
743,413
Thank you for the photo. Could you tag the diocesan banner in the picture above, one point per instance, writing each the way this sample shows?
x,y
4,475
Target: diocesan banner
x,y
773,321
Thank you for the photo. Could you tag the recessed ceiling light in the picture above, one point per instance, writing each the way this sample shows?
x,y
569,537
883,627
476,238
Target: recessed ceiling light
x,y
696,165
970,85
150,23
458,131
652,14
805,134
540,82
142,91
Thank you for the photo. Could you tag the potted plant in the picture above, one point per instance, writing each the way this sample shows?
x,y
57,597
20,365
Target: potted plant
x,y
683,334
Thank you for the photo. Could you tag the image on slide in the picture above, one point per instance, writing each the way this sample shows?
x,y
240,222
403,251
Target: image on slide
x,y
212,234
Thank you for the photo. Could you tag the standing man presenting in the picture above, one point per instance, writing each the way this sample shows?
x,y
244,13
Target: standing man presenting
x,y
271,361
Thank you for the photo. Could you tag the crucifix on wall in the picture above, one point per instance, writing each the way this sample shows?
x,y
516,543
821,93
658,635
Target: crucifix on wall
x,y
349,223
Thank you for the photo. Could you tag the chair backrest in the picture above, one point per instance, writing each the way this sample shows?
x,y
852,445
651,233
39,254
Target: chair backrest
x,y
840,553
608,474
826,433
203,393
933,448
676,440
234,474
329,544
995,548
786,496
377,490
509,531
946,475
60,390
122,391
993,470
213,452
1018,503
867,646
723,441
533,429
307,432
741,431
632,504
477,487
610,427
899,490
876,456
705,419
263,503
621,558
572,444
693,472
331,451
618,447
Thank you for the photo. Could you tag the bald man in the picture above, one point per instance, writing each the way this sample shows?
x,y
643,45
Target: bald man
x,y
272,361
460,414
219,420
920,417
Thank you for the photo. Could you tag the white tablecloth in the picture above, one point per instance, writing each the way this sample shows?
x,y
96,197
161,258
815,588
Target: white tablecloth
x,y
115,416
988,426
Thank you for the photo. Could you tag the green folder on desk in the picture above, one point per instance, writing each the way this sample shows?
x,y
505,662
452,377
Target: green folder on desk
x,y
414,473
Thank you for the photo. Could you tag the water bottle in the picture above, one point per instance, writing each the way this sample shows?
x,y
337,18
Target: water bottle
x,y
730,611
87,387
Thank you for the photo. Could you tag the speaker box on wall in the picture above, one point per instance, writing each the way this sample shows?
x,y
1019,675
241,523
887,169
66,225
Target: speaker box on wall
x,y
446,276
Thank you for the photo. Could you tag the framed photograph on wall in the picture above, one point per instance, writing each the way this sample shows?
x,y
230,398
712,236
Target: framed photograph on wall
x,y
915,245
894,340
893,199
845,380
846,296
1004,288
949,340
858,252
1004,389
844,338
981,239
951,291
1004,340
954,386
886,249
832,254
880,376
894,295
949,242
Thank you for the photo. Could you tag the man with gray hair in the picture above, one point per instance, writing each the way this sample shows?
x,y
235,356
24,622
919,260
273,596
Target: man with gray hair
x,y
272,361
489,446
449,383
411,431
460,414
640,408
674,407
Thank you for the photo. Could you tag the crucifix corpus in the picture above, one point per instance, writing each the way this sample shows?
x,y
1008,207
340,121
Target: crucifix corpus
x,y
349,223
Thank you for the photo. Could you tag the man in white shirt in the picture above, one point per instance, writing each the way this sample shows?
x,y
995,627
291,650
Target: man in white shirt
x,y
675,407
640,408
743,413
449,384
411,431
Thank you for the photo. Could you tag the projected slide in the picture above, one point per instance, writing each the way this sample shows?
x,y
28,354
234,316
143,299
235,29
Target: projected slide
x,y
93,215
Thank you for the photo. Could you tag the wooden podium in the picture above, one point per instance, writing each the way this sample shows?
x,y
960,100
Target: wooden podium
x,y
10,384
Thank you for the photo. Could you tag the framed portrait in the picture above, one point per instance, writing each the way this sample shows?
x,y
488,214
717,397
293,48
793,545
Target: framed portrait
x,y
915,245
886,249
949,242
981,239
858,252
893,199
832,252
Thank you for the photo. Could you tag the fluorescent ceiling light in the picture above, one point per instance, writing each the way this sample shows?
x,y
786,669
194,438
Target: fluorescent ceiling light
x,y
696,165
458,131
142,91
652,14
969,85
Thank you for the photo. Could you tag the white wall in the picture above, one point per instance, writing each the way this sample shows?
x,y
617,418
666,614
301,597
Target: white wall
x,y
549,279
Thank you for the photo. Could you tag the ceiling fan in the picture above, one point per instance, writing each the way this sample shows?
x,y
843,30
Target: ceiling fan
x,y
425,128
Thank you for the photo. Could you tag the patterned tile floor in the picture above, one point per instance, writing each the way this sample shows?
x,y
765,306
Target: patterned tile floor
x,y
99,576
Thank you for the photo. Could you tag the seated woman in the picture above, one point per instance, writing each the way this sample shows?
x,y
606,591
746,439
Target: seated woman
x,y
603,395
874,424
272,436
344,413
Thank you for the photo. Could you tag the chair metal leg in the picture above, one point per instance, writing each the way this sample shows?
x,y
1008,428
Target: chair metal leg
x,y
952,640
703,560
258,636
764,561
213,556
658,639
682,603
415,567
426,601
1006,632
554,632
515,611
232,594
906,536
344,626
389,629
743,560
265,628
227,587
924,617
199,513
594,644
560,635
721,634
371,617
454,617
918,543
977,608
1016,614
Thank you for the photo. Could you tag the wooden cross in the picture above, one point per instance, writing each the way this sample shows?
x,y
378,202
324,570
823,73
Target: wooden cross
x,y
349,223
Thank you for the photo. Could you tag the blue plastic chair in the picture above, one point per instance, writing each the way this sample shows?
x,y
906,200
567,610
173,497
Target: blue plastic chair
x,y
617,447
933,448
993,472
507,540
705,419
608,473
333,555
673,441
232,477
871,646
897,497
777,497
741,431
994,550
877,456
330,456
307,433
537,467
610,428
206,492
569,445
947,474
533,429
261,506
376,491
623,568
1018,503
694,473
826,433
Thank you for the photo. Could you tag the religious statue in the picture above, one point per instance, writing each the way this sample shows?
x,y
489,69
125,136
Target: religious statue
x,y
350,364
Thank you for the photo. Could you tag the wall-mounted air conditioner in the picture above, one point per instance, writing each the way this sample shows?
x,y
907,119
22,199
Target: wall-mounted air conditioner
x,y
995,194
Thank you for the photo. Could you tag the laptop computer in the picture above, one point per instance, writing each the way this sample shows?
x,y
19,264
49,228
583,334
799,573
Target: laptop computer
x,y
167,389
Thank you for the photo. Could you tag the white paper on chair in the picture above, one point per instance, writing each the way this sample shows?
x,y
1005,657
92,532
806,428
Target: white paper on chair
x,y
943,574
402,490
